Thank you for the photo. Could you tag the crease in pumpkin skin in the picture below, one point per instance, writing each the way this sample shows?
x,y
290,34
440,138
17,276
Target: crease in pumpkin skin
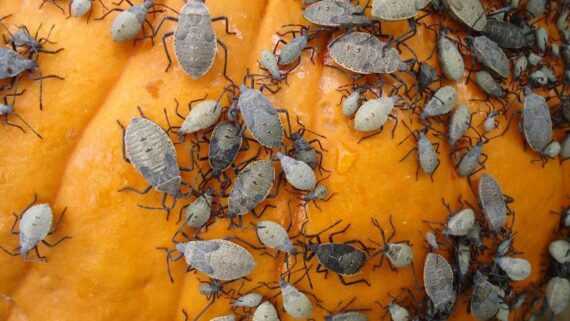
x,y
68,159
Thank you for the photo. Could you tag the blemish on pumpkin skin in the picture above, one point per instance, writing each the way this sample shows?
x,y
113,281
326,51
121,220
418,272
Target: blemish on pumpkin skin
x,y
345,160
153,87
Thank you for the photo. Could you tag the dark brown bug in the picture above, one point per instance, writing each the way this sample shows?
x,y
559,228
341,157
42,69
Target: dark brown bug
x,y
342,258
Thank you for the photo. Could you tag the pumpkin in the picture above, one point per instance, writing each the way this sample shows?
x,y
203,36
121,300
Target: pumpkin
x,y
110,268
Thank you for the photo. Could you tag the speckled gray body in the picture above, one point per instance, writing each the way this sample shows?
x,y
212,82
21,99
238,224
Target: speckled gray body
x,y
266,312
194,39
427,76
488,53
219,259
249,300
365,54
252,186
450,59
129,23
225,144
204,115
484,298
295,303
12,64
292,50
427,156
335,13
517,269
438,280
469,12
151,152
78,8
396,10
492,201
431,240
347,316
400,255
298,174
274,236
199,211
505,34
536,122
373,114
488,84
441,102
469,161
350,104
458,124
558,294
343,259
461,223
269,62
35,225
260,117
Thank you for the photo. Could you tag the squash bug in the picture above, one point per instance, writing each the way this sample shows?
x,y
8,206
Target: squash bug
x,y
195,40
35,225
219,259
342,258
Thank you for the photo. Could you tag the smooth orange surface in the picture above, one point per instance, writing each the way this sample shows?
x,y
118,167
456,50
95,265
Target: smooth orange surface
x,y
111,270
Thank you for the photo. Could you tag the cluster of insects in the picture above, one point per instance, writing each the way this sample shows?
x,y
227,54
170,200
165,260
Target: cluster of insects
x,y
228,183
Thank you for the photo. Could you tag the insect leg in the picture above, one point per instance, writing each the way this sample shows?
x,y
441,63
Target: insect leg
x,y
131,189
57,242
224,18
164,36
58,222
344,282
108,12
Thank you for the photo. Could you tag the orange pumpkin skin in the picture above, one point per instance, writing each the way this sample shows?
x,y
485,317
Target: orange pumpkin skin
x,y
111,269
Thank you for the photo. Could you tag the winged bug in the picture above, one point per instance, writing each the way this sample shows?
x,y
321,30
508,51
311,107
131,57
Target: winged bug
x,y
195,40
336,13
35,225
458,124
484,300
365,54
253,185
438,280
342,258
219,259
493,202
388,10
470,13
505,34
490,55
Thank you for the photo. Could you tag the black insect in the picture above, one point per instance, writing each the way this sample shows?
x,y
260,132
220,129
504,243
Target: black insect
x,y
342,258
